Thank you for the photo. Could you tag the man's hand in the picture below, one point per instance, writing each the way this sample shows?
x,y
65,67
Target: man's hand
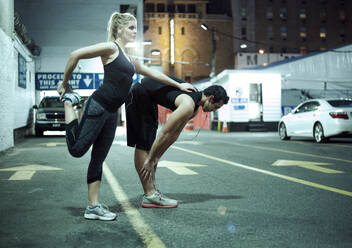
x,y
187,87
147,170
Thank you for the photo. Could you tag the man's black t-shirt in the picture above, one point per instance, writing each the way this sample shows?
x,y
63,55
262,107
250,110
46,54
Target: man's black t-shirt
x,y
166,95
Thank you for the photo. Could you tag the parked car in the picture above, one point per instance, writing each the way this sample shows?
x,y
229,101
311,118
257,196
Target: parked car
x,y
50,115
319,119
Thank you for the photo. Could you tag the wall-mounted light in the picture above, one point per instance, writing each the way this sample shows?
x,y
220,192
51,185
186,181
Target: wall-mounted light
x,y
205,27
261,51
155,52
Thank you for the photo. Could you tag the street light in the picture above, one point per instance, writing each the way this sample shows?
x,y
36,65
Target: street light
x,y
213,54
243,46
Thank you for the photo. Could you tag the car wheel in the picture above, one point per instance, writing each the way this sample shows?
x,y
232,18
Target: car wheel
x,y
283,132
319,133
38,132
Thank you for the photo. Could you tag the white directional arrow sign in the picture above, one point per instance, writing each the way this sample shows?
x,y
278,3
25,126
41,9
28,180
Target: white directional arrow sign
x,y
179,167
307,165
87,81
26,172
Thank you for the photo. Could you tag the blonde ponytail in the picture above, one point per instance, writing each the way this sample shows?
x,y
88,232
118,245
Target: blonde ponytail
x,y
118,20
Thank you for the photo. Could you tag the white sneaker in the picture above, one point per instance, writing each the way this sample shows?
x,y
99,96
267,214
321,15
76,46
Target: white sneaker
x,y
99,212
158,200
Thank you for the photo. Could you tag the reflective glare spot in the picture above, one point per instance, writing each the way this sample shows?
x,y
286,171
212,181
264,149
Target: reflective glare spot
x,y
231,227
222,210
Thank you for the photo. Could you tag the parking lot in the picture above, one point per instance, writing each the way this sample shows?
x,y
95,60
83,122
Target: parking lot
x,y
235,190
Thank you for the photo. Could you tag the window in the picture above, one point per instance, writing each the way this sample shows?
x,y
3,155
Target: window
x,y
303,50
269,13
191,8
243,31
243,14
283,31
283,14
171,8
283,49
323,15
183,31
302,14
270,33
308,107
160,30
303,32
181,8
323,33
149,7
160,7
342,33
342,15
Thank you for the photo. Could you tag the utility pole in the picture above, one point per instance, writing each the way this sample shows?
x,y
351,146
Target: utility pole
x,y
213,53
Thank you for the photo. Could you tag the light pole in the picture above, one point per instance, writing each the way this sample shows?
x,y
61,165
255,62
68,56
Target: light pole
x,y
213,52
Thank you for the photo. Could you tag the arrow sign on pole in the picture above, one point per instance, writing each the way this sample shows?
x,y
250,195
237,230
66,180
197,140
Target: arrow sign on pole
x,y
26,172
179,167
307,165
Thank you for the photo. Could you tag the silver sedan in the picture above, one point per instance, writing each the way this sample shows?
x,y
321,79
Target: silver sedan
x,y
319,119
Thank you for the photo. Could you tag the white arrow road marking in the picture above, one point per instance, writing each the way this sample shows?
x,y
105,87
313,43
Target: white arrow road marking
x,y
87,81
307,165
189,142
26,172
179,167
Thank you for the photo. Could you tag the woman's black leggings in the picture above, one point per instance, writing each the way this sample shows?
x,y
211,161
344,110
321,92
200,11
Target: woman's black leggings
x,y
96,128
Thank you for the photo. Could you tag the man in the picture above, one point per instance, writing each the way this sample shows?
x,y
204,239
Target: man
x,y
142,125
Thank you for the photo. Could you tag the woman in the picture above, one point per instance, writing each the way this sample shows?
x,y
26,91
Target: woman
x,y
99,119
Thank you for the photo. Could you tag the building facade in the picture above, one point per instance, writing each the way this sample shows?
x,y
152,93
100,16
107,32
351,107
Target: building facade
x,y
291,26
178,45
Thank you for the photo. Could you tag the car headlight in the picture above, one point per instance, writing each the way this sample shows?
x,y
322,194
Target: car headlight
x,y
41,116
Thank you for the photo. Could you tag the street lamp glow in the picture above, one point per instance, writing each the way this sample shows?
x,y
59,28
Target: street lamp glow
x,y
261,51
204,27
243,46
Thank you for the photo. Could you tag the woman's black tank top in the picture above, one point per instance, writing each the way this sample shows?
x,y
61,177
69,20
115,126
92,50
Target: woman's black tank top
x,y
118,74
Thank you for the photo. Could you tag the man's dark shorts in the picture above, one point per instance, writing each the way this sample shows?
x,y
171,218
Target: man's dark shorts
x,y
142,118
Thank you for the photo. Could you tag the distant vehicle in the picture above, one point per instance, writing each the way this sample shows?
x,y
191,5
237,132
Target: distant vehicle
x,y
50,115
320,119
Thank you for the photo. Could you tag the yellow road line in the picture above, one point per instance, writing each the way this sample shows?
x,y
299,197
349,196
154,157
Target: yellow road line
x,y
322,144
149,238
292,179
280,150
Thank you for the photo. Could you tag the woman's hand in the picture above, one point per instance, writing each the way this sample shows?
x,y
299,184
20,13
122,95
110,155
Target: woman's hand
x,y
187,87
62,89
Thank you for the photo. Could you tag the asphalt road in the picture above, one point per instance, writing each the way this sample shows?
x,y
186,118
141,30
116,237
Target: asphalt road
x,y
235,190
